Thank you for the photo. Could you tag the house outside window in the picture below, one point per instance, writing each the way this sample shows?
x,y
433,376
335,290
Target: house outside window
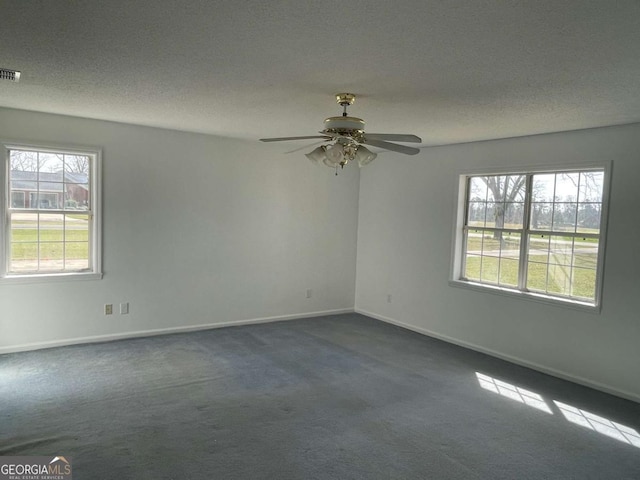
x,y
533,233
51,203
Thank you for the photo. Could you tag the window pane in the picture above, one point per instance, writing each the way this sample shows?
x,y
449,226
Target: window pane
x,y
63,242
538,248
537,276
478,188
489,269
51,227
474,242
563,266
77,242
538,257
561,250
77,228
564,217
472,267
24,257
496,188
76,196
541,216
543,187
510,245
50,199
49,180
76,256
589,218
24,227
51,163
504,196
495,215
51,256
23,161
513,215
74,165
509,272
585,253
567,187
591,186
559,279
17,199
584,282
515,188
492,257
476,213
491,244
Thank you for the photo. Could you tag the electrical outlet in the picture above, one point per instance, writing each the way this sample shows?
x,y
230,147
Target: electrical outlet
x,y
309,292
108,309
124,308
389,298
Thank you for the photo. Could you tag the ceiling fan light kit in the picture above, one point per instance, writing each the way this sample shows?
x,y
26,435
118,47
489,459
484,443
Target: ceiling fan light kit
x,y
346,135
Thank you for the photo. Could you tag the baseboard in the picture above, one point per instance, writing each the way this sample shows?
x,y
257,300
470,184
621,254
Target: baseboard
x,y
509,358
163,331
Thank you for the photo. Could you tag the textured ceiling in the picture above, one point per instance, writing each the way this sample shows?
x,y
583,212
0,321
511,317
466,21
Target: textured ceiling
x,y
450,72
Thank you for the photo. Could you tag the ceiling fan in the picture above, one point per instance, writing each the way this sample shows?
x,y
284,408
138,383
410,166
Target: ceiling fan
x,y
346,137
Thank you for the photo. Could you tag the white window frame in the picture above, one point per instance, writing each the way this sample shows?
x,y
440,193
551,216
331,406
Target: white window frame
x,y
95,228
24,198
457,259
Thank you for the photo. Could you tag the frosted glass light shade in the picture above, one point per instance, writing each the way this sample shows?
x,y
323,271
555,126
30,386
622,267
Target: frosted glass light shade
x,y
339,154
318,155
335,155
365,156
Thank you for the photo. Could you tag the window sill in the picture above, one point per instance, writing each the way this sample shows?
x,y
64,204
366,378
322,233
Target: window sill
x,y
49,278
535,297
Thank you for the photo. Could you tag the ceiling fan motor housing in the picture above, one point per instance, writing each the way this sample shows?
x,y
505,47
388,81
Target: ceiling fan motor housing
x,y
352,127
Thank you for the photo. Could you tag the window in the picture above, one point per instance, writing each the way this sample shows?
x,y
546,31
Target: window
x,y
537,233
51,213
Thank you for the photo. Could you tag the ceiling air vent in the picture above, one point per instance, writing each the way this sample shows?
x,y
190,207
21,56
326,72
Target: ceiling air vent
x,y
11,75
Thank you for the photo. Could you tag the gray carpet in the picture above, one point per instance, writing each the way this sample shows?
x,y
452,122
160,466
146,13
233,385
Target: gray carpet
x,y
340,397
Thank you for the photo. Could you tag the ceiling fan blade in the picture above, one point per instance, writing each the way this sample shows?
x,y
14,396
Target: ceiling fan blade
x,y
392,146
395,137
284,139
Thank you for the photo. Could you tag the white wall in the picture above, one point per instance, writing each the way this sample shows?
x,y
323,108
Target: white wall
x,y
197,230
406,216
